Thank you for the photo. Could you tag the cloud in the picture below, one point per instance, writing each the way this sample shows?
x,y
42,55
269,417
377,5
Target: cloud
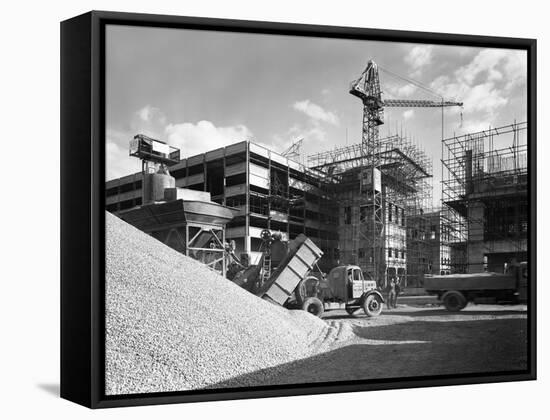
x,y
419,57
485,98
148,120
485,83
315,112
118,163
395,91
312,134
484,65
203,136
408,114
475,125
190,138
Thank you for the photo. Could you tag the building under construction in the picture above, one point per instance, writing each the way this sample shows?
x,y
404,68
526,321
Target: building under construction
x,y
485,197
321,200
404,182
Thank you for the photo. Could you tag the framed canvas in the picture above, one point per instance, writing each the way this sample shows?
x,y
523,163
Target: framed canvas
x,y
257,209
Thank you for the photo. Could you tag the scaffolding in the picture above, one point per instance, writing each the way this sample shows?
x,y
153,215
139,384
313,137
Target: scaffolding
x,y
484,196
406,174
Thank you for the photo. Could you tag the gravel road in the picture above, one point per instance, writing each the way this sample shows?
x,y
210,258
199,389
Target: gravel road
x,y
417,341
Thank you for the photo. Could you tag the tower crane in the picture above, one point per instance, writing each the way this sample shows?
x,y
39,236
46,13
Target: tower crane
x,y
367,88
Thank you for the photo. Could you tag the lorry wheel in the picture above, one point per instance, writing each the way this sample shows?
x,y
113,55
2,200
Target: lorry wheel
x,y
372,305
314,306
454,301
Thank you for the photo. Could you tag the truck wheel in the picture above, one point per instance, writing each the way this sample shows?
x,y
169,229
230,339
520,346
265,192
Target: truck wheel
x,y
372,305
314,306
454,301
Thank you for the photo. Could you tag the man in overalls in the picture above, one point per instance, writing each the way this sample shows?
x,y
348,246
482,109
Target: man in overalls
x,y
392,294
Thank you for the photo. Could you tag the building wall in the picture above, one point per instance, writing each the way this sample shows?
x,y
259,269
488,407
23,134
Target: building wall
x,y
497,224
428,248
353,246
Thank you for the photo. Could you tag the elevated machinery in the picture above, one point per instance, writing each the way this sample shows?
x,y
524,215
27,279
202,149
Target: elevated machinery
x,y
184,219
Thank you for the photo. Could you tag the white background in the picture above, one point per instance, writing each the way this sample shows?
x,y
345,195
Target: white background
x,y
29,180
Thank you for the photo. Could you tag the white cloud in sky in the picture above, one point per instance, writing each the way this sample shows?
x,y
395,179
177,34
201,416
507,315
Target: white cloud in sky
x,y
419,57
408,114
190,138
203,136
485,83
312,134
148,120
316,112
118,162
395,91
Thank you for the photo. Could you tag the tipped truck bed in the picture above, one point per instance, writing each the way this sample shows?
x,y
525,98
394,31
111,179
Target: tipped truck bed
x,y
302,256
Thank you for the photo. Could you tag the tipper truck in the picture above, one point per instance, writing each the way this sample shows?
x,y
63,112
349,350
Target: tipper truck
x,y
284,276
456,290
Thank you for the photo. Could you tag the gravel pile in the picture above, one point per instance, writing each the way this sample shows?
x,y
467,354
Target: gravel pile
x,y
172,324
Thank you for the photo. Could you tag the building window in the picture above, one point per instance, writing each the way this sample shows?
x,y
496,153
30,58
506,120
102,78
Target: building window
x,y
347,215
390,216
389,252
363,213
397,215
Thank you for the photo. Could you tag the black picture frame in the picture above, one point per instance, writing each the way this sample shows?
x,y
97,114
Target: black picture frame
x,y
83,204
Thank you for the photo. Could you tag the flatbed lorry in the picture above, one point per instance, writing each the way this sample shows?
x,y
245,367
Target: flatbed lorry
x,y
456,290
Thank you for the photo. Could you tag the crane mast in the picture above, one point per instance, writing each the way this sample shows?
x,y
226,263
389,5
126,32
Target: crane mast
x,y
371,215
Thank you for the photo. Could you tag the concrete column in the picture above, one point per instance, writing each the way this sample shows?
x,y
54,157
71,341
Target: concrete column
x,y
476,227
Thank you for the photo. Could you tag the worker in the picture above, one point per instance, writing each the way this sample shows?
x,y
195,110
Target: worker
x,y
350,282
514,268
392,298
398,290
279,249
212,256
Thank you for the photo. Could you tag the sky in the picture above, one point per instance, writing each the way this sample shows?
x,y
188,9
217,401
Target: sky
x,y
200,90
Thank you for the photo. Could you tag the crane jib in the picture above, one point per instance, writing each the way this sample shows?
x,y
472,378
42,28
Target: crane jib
x,y
419,103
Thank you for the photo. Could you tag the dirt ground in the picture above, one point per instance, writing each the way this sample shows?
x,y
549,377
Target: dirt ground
x,y
415,341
